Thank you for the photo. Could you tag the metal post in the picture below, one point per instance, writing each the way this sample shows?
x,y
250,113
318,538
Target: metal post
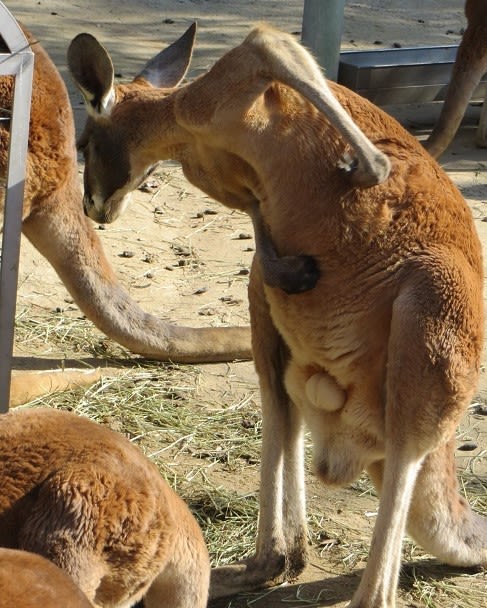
x,y
322,32
20,64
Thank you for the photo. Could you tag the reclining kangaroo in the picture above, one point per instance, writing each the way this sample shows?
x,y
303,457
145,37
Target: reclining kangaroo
x,y
28,580
380,359
469,67
87,499
54,222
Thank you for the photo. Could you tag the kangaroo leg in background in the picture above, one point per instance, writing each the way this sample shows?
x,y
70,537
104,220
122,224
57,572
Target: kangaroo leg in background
x,y
27,386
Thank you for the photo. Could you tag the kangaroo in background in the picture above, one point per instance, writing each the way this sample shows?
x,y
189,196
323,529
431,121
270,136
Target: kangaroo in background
x,y
54,222
381,358
86,498
469,67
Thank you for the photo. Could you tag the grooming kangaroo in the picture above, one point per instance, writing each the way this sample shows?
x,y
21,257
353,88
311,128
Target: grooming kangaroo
x,y
294,274
381,358
470,65
87,499
28,580
54,222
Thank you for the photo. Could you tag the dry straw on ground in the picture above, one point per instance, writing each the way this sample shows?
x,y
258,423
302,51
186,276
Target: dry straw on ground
x,y
209,452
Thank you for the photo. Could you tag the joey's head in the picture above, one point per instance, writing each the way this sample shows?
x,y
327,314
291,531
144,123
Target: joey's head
x,y
111,143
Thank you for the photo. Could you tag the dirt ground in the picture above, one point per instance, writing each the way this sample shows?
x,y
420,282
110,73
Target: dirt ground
x,y
170,220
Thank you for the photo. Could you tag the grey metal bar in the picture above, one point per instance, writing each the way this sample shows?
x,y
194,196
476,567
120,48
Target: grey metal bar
x,y
322,32
11,33
20,64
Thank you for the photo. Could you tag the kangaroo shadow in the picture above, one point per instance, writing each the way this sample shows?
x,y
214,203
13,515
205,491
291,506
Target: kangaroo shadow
x,y
338,590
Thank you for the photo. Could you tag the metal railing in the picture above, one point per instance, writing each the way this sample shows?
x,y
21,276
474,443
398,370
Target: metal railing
x,y
19,63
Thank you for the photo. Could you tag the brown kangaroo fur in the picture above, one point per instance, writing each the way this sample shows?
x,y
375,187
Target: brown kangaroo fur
x,y
380,359
87,499
469,67
54,222
28,580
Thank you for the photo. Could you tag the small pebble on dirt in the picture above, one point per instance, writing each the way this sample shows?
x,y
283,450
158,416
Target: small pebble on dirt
x,y
126,254
181,250
468,446
230,300
200,290
148,186
247,423
148,257
207,312
481,409
244,236
243,271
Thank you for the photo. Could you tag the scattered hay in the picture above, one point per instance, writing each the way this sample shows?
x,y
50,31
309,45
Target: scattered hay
x,y
209,454
63,334
438,588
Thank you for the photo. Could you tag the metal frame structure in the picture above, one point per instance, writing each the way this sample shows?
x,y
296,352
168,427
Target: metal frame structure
x,y
322,32
19,63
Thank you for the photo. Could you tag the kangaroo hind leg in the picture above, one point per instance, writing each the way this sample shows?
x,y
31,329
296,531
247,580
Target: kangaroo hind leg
x,y
429,381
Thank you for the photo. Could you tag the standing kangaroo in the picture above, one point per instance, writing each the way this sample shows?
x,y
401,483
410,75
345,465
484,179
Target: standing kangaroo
x,y
469,67
381,358
54,222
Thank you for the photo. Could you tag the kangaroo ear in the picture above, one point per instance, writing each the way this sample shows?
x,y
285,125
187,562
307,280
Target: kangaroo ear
x,y
168,68
92,71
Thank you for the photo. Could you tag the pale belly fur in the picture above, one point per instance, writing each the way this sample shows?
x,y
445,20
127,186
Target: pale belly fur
x,y
336,378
